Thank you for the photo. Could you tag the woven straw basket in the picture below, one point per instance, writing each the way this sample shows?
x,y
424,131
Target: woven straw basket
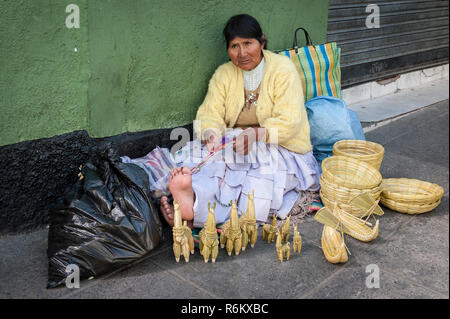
x,y
343,194
350,173
343,178
410,196
369,152
411,190
333,245
355,211
409,208
351,209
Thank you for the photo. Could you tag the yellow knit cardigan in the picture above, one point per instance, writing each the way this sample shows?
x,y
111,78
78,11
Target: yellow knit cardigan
x,y
280,109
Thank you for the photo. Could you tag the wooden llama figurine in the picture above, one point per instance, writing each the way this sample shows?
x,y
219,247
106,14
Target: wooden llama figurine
x,y
209,242
189,237
243,226
297,241
252,228
182,244
285,229
231,232
269,231
283,250
248,223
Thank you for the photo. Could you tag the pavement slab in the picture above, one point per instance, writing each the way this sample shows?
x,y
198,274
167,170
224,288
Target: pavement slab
x,y
408,123
401,102
255,272
145,280
416,252
390,286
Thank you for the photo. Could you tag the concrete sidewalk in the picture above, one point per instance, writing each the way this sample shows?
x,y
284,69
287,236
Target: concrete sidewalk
x,y
411,252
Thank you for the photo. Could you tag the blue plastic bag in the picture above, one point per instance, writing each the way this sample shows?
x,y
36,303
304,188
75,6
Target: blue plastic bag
x,y
330,121
356,126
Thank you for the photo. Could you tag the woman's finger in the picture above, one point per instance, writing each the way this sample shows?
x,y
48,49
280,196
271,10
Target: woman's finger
x,y
246,149
240,148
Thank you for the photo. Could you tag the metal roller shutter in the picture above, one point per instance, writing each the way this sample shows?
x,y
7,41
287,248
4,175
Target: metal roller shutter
x,y
412,35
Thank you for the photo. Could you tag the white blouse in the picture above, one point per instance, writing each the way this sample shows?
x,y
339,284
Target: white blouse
x,y
253,78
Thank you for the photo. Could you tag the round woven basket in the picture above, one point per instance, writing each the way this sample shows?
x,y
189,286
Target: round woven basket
x,y
369,152
411,191
350,173
409,208
342,194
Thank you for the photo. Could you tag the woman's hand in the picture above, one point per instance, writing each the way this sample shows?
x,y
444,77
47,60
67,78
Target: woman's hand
x,y
211,140
243,143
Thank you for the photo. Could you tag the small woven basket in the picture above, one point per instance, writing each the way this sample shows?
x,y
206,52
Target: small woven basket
x,y
350,173
410,196
369,152
343,194
411,191
409,208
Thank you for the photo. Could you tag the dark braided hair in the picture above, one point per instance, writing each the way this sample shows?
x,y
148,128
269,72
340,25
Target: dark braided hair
x,y
243,26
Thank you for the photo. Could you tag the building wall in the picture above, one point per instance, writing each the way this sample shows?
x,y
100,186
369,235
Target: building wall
x,y
131,66
43,81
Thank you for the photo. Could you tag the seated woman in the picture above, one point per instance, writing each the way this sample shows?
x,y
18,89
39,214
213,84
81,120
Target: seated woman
x,y
257,100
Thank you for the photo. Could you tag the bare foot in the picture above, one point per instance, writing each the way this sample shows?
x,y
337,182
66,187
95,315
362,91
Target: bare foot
x,y
167,210
181,188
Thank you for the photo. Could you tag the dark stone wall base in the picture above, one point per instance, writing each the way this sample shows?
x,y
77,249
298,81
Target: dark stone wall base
x,y
34,175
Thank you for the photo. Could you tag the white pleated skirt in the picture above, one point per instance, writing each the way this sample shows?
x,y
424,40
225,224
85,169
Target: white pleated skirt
x,y
275,174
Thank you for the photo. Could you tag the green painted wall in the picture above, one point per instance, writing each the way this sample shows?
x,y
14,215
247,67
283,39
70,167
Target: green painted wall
x,y
139,65
43,81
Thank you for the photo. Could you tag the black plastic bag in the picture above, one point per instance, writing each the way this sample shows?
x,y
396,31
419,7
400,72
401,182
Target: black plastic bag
x,y
106,221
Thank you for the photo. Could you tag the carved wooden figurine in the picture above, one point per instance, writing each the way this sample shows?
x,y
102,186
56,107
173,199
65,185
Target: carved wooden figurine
x,y
231,232
248,223
252,228
283,250
285,229
189,237
269,231
243,226
208,238
182,244
297,241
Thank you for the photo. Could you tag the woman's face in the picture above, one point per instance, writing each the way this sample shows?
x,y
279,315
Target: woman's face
x,y
245,53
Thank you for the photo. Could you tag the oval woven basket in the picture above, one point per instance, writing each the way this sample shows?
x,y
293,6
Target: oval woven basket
x,y
411,191
343,194
350,173
369,152
409,208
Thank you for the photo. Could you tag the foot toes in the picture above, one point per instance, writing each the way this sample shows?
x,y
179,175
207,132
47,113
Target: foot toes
x,y
177,170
